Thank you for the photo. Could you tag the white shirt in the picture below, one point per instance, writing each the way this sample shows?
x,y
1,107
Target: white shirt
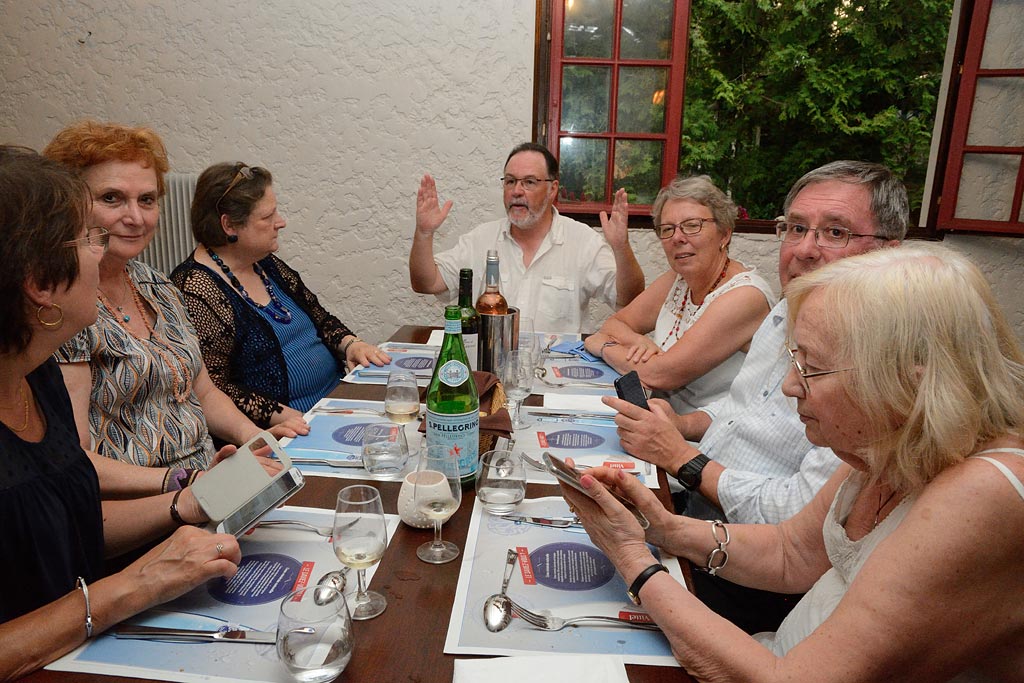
x,y
771,470
572,265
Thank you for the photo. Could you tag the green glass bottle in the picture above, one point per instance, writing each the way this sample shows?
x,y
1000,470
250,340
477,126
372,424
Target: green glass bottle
x,y
453,405
470,318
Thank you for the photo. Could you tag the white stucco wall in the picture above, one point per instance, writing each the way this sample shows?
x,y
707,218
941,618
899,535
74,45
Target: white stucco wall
x,y
348,102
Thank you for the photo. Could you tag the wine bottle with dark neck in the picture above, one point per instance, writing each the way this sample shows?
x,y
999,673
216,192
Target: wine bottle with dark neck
x,y
470,318
453,405
491,302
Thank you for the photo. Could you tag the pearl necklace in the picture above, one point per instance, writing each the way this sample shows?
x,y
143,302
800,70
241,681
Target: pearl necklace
x,y
674,332
276,309
181,379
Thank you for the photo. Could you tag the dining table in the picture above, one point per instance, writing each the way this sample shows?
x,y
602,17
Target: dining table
x,y
405,644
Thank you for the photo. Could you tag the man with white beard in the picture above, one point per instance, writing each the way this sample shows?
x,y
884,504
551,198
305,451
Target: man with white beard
x,y
551,265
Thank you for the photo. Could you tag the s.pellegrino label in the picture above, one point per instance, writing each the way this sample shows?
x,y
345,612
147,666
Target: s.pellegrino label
x,y
453,405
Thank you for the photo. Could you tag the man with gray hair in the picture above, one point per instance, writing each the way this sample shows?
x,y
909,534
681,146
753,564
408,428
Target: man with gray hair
x,y
551,265
753,463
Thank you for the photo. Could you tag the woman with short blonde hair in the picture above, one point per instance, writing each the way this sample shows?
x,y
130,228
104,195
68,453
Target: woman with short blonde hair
x,y
903,365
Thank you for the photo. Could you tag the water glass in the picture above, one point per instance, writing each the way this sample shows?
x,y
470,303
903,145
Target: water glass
x,y
402,397
501,481
385,450
314,634
528,342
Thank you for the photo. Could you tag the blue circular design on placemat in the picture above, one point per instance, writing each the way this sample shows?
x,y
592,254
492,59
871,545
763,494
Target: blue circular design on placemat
x,y
351,435
261,578
573,438
415,362
580,372
571,567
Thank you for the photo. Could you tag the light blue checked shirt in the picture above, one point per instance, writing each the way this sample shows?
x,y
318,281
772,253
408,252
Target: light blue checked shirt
x,y
771,470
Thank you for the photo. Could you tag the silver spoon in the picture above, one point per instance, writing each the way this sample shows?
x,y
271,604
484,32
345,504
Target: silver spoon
x,y
498,608
336,580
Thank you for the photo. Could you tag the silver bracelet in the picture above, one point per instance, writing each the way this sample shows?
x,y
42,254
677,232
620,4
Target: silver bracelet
x,y
718,557
80,583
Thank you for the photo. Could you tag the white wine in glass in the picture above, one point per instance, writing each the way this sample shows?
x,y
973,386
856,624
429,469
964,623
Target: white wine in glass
x,y
360,538
402,397
437,494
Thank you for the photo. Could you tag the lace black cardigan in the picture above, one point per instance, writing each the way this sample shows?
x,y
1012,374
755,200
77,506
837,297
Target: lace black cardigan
x,y
230,332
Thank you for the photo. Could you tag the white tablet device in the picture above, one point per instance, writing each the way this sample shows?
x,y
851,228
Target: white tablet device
x,y
238,491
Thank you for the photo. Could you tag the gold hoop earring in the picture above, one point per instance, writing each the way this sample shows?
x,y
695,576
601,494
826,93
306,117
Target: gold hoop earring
x,y
55,324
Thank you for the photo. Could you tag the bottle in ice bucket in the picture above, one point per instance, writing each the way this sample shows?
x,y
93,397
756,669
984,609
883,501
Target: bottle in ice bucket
x,y
470,318
453,405
491,302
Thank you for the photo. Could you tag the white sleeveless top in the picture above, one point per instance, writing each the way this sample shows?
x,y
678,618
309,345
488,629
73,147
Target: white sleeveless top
x,y
847,558
714,384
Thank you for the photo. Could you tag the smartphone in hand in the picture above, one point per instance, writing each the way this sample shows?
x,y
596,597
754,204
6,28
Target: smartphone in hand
x,y
568,475
629,388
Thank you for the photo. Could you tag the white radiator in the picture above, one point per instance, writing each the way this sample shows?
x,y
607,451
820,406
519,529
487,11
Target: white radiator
x,y
173,241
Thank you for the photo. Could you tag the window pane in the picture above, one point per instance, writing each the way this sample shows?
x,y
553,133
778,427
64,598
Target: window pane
x,y
641,105
986,186
997,101
586,91
583,164
638,169
1004,48
646,29
588,28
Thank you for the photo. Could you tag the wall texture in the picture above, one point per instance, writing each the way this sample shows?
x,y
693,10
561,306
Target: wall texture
x,y
348,102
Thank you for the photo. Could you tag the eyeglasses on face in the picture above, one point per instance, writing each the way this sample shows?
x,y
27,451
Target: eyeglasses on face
x,y
805,375
691,226
96,238
244,173
529,183
828,237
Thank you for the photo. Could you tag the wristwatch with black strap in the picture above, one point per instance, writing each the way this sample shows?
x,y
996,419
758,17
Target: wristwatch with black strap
x,y
689,475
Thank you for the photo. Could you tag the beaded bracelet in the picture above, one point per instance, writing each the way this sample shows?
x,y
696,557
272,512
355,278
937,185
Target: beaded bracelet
x,y
719,553
344,349
81,585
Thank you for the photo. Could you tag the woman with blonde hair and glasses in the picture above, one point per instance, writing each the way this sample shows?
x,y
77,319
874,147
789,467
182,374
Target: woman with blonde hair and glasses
x,y
912,554
687,334
136,377
269,343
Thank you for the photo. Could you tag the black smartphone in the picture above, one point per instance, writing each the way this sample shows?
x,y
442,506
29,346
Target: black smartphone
x,y
629,388
568,475
246,517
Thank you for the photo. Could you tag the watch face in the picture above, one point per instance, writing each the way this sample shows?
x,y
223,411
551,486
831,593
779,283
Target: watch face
x,y
690,473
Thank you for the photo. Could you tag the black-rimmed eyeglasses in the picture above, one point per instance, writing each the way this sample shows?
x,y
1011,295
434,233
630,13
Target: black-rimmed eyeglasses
x,y
96,238
805,375
529,183
691,226
829,237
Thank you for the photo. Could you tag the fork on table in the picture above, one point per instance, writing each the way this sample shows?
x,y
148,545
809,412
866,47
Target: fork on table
x,y
549,622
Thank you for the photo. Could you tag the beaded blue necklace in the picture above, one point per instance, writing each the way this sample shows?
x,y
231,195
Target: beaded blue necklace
x,y
276,309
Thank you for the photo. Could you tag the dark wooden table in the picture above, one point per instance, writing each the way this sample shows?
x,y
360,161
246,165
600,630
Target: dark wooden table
x,y
406,643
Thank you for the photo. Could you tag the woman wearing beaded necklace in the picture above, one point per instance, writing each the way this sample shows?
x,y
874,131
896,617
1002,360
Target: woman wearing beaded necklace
x,y
268,342
136,377
702,312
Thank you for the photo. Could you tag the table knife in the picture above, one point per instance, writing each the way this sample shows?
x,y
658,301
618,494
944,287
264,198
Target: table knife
x,y
556,522
180,635
330,462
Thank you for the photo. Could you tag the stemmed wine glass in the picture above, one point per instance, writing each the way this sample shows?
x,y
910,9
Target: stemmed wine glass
x,y
437,495
360,537
528,341
517,379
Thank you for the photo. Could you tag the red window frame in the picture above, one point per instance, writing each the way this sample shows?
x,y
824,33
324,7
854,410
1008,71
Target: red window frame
x,y
674,94
947,220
